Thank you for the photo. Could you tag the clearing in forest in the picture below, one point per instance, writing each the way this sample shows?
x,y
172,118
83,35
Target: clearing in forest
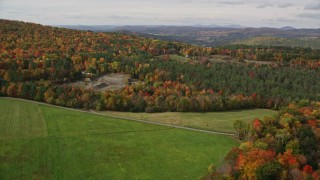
x,y
113,81
215,121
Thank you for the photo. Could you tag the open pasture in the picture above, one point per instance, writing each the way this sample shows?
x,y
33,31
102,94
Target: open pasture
x,y
214,121
43,142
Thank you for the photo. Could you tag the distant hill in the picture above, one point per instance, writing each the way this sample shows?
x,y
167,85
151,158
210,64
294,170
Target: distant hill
x,y
219,36
288,28
214,35
97,28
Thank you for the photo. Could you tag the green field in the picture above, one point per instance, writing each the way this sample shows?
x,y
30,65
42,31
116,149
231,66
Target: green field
x,y
43,142
178,58
216,121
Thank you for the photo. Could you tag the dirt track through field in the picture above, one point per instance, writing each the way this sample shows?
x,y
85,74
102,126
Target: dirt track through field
x,y
130,119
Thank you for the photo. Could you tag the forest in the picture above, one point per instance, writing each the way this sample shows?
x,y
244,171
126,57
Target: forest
x,y
281,147
38,63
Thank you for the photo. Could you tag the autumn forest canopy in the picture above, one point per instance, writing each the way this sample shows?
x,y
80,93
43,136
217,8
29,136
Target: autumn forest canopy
x,y
38,62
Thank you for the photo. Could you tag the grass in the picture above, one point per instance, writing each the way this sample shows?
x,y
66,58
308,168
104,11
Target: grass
x,y
216,121
43,142
178,58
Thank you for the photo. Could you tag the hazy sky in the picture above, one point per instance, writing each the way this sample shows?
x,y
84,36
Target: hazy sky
x,y
255,13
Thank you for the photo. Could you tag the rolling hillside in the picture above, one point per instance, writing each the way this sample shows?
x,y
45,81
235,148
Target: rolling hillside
x,y
65,67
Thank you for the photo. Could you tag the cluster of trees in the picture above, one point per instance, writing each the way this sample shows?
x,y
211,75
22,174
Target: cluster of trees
x,y
282,147
174,96
167,96
44,91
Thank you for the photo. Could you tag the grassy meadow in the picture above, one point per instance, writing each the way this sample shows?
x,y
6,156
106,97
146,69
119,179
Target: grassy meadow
x,y
216,121
43,142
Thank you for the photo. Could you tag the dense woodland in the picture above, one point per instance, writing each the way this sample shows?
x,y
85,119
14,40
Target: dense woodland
x,y
282,147
37,62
